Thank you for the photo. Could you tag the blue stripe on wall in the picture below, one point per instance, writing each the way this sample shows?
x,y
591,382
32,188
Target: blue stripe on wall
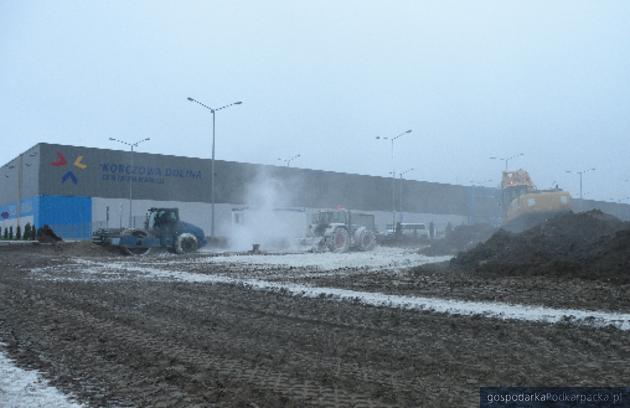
x,y
69,216
8,211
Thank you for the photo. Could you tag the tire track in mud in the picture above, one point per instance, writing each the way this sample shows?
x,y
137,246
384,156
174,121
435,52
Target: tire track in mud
x,y
232,370
596,318
181,343
439,281
374,377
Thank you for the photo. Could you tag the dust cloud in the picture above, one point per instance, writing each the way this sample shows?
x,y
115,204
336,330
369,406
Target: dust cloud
x,y
268,219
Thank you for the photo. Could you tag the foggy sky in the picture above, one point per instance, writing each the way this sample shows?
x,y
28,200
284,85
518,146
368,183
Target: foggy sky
x,y
324,78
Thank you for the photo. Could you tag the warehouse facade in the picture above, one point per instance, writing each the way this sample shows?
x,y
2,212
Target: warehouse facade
x,y
77,189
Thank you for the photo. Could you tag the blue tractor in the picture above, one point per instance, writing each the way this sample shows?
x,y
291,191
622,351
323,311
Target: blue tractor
x,y
162,229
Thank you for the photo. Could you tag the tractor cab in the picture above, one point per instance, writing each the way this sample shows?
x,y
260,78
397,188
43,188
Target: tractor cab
x,y
324,219
331,217
163,223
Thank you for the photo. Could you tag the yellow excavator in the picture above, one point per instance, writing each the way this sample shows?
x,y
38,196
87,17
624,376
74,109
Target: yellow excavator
x,y
524,205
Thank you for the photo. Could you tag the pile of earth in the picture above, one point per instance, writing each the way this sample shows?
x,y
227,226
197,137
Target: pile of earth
x,y
458,239
589,245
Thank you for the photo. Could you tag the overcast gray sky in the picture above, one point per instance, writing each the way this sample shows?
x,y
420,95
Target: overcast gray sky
x,y
473,79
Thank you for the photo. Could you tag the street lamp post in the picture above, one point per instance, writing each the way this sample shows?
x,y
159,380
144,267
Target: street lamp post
x,y
581,173
213,111
290,159
400,192
131,146
507,159
393,173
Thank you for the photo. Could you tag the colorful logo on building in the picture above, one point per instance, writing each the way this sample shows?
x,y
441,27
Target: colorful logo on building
x,y
69,175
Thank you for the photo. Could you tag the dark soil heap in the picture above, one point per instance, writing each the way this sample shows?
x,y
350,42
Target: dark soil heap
x,y
589,245
460,238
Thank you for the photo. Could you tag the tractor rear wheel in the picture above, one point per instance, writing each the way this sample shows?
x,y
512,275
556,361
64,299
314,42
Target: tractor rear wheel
x,y
340,240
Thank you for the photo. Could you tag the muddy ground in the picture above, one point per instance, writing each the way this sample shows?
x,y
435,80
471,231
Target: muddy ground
x,y
439,280
120,342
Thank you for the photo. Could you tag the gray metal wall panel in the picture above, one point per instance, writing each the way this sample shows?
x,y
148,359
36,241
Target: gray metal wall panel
x,y
162,177
29,162
621,211
185,179
107,172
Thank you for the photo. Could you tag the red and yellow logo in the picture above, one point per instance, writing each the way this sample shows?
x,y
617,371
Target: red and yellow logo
x,y
69,175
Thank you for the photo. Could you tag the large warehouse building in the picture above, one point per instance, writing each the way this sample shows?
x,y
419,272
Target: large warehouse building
x,y
78,189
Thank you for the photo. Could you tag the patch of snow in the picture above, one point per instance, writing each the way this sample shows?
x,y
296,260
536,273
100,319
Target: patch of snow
x,y
21,388
592,318
379,258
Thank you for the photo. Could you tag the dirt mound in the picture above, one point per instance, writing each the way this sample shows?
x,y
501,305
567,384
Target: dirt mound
x,y
613,256
46,234
590,245
460,238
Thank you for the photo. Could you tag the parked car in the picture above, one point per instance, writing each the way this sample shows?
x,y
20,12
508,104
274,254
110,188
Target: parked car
x,y
406,233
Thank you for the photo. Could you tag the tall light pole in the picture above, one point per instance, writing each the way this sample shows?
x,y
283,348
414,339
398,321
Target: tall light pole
x,y
213,111
400,192
290,159
393,173
131,146
581,173
507,159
